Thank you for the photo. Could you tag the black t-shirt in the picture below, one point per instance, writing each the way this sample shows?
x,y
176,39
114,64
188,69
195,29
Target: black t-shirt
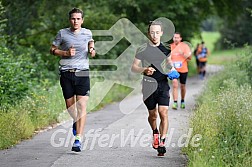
x,y
154,57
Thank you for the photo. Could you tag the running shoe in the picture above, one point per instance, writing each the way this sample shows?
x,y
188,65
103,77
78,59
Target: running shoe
x,y
182,105
155,142
202,77
161,149
175,106
76,146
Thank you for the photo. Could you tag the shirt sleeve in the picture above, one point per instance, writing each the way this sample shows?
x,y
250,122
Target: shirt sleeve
x,y
140,52
58,39
90,36
138,55
187,50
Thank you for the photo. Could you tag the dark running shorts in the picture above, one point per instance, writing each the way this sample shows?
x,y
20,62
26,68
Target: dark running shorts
x,y
202,64
183,77
72,83
156,93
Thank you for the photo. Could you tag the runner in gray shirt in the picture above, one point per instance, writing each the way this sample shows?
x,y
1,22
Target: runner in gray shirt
x,y
74,45
66,39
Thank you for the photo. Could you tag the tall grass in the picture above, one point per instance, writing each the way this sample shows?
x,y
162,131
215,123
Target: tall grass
x,y
46,107
224,119
30,114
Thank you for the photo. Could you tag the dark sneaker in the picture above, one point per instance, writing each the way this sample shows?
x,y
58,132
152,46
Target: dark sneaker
x,y
161,149
76,146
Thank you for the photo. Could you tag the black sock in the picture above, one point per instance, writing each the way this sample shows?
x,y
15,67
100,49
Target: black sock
x,y
204,73
182,100
162,140
155,131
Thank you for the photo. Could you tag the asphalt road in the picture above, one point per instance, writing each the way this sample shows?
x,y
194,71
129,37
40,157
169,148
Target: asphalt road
x,y
114,139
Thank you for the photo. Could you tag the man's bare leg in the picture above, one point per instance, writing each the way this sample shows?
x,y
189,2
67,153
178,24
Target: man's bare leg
x,y
81,114
163,114
175,93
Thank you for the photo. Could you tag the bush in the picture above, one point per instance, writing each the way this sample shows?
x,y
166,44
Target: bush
x,y
20,75
13,83
245,63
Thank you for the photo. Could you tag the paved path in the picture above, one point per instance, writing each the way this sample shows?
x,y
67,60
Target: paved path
x,y
115,139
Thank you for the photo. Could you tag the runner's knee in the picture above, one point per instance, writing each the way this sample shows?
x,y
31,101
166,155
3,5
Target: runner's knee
x,y
152,114
182,86
175,83
70,102
163,113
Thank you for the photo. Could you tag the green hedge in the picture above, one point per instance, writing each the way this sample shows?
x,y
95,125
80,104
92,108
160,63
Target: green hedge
x,y
21,74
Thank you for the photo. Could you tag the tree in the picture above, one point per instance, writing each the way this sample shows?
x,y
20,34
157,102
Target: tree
x,y
33,24
237,32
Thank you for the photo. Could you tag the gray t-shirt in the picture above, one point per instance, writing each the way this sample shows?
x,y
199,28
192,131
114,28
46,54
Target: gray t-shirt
x,y
65,39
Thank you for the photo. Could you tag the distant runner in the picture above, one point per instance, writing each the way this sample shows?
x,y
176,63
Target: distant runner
x,y
180,55
202,54
196,58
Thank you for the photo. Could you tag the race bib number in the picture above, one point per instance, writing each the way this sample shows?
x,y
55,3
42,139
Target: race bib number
x,y
178,64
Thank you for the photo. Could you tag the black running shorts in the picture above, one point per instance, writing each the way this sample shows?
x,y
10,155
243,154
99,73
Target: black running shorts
x,y
202,64
156,93
182,77
72,83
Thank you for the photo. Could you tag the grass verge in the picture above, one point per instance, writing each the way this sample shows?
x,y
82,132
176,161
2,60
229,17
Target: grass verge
x,y
44,108
32,113
223,118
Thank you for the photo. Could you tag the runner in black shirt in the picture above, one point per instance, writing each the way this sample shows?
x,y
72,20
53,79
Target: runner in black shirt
x,y
152,56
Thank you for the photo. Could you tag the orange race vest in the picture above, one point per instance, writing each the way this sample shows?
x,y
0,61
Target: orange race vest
x,y
178,53
202,55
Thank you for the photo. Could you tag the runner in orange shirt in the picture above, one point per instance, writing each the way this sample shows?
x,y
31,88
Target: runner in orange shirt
x,y
202,54
180,55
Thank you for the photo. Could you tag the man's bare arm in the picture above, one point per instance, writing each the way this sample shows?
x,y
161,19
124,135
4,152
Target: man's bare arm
x,y
57,52
169,63
137,69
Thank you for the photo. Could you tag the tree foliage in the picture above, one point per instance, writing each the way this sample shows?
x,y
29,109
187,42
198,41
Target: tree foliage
x,y
28,27
237,32
21,69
